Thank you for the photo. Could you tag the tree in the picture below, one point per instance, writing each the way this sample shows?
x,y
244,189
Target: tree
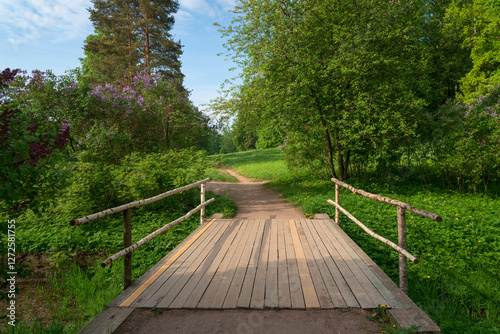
x,y
133,35
478,24
348,69
29,142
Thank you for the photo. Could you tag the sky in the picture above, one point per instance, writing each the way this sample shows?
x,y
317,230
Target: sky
x,y
49,34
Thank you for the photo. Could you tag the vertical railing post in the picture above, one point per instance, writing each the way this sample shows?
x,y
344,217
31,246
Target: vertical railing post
x,y
337,201
202,211
127,242
403,270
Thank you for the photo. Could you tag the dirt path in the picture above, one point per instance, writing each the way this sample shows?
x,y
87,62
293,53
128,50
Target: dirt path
x,y
253,199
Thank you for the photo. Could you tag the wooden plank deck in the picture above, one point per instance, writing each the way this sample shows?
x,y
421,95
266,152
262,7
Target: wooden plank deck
x,y
322,262
271,263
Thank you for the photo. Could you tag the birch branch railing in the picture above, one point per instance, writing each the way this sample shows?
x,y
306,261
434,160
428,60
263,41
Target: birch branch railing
x,y
127,224
401,210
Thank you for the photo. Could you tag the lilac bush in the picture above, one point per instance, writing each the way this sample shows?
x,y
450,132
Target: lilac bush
x,y
28,144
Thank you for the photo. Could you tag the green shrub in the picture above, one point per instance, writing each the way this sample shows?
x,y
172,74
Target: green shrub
x,y
95,186
305,155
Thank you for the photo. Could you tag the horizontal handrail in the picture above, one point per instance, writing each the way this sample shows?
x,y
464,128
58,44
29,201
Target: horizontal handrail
x,y
154,234
379,198
375,235
124,207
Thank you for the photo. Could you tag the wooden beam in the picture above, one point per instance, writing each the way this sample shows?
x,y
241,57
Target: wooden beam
x,y
154,234
124,207
373,234
379,198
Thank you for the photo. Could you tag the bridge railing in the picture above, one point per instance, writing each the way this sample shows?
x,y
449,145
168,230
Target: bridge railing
x,y
127,224
401,214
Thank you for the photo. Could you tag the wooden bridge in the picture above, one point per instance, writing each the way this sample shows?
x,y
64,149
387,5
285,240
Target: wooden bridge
x,y
265,263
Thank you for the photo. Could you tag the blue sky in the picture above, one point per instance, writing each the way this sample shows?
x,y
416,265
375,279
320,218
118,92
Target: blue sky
x,y
49,34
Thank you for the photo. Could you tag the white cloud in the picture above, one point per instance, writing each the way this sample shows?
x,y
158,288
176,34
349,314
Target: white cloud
x,y
206,7
30,21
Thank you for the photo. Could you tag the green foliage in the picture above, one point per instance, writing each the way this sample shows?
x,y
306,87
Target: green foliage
x,y
31,142
98,186
467,138
305,155
269,136
478,25
7,251
350,72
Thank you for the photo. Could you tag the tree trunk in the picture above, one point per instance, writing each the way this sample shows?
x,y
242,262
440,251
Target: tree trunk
x,y
147,49
346,164
342,163
330,153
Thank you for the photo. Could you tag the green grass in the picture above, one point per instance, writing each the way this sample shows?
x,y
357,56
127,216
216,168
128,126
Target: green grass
x,y
221,176
457,281
258,164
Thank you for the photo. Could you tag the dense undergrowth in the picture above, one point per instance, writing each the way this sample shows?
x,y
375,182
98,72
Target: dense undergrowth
x,y
456,281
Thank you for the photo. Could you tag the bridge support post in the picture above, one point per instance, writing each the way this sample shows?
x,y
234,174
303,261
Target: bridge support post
x,y
337,201
127,242
403,269
202,211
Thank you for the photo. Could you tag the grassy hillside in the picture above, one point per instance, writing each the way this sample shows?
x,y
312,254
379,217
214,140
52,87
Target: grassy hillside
x,y
458,278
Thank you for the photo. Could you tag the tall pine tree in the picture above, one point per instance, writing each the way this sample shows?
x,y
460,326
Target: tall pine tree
x,y
132,35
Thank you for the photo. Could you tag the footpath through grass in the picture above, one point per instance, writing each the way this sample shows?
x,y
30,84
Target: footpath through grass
x,y
457,281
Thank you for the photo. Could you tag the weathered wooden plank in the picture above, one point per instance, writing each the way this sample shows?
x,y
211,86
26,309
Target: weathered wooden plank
x,y
222,279
310,297
196,273
259,287
271,296
345,291
296,294
341,262
154,276
176,282
405,301
283,283
319,285
231,300
125,294
390,299
315,243
107,321
414,316
152,295
197,284
248,283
